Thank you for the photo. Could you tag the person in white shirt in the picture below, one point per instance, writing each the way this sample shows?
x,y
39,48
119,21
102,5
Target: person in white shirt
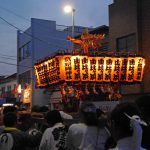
x,y
54,138
87,135
65,115
126,130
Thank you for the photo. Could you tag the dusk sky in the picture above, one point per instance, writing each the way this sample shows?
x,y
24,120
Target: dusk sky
x,y
17,13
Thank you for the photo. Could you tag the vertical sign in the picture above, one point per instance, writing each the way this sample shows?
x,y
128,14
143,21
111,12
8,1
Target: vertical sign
x,y
75,61
92,68
130,69
116,67
107,69
139,70
84,68
100,69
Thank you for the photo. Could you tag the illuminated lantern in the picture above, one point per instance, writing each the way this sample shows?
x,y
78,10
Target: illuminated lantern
x,y
100,69
67,64
116,67
130,69
60,68
123,70
92,68
76,67
139,69
107,69
84,73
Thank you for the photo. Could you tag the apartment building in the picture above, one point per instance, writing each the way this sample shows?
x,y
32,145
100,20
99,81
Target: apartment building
x,y
129,32
41,39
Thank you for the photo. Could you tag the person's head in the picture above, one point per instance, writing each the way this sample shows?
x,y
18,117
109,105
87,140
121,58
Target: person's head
x,y
53,117
35,108
89,114
8,109
44,109
26,121
120,123
144,105
102,117
10,119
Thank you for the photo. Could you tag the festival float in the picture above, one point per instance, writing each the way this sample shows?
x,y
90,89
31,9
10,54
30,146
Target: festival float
x,y
87,74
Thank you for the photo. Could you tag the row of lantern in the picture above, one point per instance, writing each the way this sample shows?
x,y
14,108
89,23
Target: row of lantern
x,y
89,69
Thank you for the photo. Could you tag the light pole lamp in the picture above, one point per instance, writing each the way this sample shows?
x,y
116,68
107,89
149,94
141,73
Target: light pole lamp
x,y
69,9
73,22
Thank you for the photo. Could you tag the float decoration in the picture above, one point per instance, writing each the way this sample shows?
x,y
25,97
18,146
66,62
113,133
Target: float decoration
x,y
88,41
69,68
92,73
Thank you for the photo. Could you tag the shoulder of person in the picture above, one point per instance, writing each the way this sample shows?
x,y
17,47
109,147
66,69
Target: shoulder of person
x,y
77,126
6,141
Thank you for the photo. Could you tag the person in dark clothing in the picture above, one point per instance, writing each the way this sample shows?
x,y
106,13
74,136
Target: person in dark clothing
x,y
25,122
9,109
6,110
21,140
144,105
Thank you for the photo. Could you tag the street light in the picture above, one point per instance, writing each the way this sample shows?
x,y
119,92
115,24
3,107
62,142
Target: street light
x,y
69,9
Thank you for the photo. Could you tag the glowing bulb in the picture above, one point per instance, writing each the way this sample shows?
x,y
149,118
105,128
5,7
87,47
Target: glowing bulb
x,y
68,9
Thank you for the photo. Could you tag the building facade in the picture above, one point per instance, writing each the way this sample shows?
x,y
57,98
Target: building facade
x,y
8,89
129,31
41,39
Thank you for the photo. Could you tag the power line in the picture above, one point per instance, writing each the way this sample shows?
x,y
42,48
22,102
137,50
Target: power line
x,y
8,58
7,55
8,10
10,24
15,64
30,34
22,17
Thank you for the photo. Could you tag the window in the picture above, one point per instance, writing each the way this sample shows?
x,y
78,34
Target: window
x,y
14,86
104,47
8,88
127,43
25,78
25,51
3,89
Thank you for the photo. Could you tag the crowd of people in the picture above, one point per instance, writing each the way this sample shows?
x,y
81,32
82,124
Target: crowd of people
x,y
126,127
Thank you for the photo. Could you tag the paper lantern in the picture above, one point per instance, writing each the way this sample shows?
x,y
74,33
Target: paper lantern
x,y
107,69
84,68
76,65
123,70
116,68
100,69
92,68
139,68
